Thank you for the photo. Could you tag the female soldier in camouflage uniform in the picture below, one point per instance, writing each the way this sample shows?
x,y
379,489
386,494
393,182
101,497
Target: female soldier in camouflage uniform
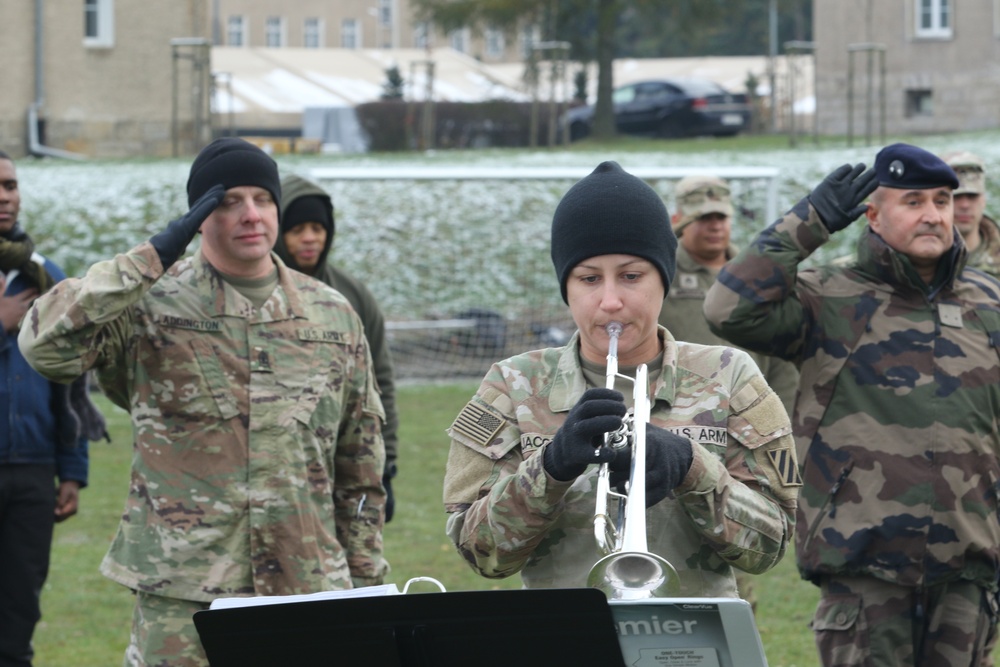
x,y
721,473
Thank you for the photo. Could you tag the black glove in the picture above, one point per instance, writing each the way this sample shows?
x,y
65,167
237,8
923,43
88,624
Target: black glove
x,y
390,500
171,243
668,459
620,469
839,198
578,442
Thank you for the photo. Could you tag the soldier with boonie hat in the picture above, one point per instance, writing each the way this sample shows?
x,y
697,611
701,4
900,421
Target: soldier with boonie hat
x,y
703,222
698,196
896,523
979,231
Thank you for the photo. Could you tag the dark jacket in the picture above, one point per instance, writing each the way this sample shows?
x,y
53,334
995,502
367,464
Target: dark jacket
x,y
34,410
897,406
292,188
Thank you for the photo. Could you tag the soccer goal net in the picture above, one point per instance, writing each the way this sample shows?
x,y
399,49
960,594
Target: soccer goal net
x,y
459,261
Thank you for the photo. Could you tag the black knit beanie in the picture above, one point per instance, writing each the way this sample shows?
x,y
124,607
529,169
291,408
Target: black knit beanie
x,y
612,212
308,208
232,162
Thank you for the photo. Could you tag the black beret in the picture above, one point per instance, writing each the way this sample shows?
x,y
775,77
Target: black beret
x,y
907,167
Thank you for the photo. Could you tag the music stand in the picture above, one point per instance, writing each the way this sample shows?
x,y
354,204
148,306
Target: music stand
x,y
528,628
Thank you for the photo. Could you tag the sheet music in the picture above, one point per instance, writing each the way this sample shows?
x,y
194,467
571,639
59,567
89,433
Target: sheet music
x,y
367,591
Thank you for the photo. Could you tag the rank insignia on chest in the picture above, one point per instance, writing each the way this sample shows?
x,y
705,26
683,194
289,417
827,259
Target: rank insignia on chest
x,y
688,280
950,314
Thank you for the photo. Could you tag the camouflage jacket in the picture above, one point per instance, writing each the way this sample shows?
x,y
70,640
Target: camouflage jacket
x,y
898,402
735,507
986,256
257,456
682,315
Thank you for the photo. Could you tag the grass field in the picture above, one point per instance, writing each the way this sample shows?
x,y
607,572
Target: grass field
x,y
86,617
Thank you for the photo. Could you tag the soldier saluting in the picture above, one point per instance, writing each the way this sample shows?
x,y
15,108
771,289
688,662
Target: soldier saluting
x,y
258,456
897,409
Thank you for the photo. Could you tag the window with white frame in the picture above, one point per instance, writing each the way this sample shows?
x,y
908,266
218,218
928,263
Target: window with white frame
x,y
933,18
236,31
494,43
99,23
312,33
459,40
274,31
350,38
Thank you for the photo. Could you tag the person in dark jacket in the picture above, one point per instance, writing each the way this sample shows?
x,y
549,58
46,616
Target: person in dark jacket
x,y
307,229
41,437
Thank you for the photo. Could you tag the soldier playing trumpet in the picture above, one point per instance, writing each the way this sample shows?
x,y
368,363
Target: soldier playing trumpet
x,y
721,475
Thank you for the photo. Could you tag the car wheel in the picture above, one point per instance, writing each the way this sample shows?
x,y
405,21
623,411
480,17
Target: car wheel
x,y
578,131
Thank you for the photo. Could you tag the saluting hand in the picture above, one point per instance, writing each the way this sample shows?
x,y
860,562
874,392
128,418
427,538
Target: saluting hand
x,y
839,198
171,243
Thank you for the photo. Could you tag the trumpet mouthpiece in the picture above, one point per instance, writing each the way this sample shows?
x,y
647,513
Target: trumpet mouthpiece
x,y
613,328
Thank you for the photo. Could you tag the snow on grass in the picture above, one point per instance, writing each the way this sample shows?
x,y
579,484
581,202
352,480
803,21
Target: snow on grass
x,y
426,249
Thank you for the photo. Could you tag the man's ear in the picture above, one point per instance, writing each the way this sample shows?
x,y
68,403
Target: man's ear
x,y
872,214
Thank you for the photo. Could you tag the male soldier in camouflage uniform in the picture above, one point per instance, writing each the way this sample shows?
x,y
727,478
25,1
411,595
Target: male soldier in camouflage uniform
x,y
721,479
258,458
703,225
898,406
979,231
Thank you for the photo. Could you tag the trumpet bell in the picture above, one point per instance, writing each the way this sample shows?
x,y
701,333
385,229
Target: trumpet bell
x,y
634,575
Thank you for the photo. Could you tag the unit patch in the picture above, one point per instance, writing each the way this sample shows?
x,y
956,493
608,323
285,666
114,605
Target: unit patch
x,y
785,466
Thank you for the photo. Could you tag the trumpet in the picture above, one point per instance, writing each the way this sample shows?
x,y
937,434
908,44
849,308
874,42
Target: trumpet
x,y
628,571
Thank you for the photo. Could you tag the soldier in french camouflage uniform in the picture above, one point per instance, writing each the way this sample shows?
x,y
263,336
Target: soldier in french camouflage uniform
x,y
897,409
702,222
258,457
721,476
979,231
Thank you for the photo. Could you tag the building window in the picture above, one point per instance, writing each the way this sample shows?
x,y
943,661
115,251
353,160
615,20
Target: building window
x,y
349,37
919,103
422,35
236,31
312,33
274,31
494,43
98,23
934,18
459,40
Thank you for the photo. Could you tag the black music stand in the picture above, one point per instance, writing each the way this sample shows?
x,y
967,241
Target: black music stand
x,y
528,628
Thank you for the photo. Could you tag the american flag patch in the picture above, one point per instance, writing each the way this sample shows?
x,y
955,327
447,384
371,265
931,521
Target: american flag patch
x,y
786,467
477,423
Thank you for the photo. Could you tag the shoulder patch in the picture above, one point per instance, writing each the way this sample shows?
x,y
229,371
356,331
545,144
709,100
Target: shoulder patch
x,y
478,424
785,465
